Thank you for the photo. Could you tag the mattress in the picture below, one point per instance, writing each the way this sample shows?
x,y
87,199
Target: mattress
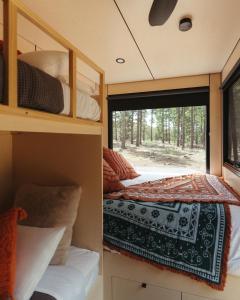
x,y
234,254
73,280
87,107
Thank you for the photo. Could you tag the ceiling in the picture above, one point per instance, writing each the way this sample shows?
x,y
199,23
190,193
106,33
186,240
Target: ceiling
x,y
107,29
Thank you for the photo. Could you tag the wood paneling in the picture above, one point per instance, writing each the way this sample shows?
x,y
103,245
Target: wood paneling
x,y
232,60
215,125
5,170
58,159
117,265
158,85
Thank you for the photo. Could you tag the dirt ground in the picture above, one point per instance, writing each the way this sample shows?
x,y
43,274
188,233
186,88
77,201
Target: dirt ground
x,y
164,158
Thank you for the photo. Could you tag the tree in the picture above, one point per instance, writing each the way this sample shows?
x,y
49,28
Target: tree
x,y
123,130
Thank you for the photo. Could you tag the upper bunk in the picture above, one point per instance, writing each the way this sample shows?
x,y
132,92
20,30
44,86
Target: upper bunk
x,y
81,82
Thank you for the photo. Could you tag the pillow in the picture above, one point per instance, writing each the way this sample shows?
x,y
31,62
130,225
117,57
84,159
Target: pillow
x,y
111,182
50,207
56,64
119,164
35,248
8,227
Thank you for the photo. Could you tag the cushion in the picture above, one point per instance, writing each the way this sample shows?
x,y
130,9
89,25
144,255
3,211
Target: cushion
x,y
35,248
119,164
111,182
55,63
8,227
50,207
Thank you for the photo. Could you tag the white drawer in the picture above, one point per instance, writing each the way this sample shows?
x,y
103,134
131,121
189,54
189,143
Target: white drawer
x,y
123,289
193,297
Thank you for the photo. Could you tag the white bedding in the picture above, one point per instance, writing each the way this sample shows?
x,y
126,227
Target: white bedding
x,y
234,254
73,280
87,107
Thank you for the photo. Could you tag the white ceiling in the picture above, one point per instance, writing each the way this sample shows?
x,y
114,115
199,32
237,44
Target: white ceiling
x,y
98,29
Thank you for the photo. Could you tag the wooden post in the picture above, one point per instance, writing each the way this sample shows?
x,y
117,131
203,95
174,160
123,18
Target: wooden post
x,y
102,94
72,83
10,51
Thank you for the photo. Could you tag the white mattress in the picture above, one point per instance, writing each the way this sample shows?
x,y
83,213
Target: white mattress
x,y
87,107
234,254
73,280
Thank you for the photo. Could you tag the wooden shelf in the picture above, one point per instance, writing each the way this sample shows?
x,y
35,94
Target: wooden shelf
x,y
26,120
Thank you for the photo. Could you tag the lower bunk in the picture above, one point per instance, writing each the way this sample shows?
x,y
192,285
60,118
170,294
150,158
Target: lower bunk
x,y
187,225
73,281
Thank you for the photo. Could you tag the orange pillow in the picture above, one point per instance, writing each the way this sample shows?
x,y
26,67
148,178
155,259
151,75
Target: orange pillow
x,y
8,228
119,164
111,182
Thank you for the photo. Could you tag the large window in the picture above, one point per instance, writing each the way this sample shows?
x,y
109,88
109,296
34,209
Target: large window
x,y
166,130
232,121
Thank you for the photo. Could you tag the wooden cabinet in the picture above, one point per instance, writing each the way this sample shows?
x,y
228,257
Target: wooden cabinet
x,y
192,297
123,289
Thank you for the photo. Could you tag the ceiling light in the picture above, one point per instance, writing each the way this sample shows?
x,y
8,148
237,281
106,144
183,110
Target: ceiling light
x,y
120,60
185,24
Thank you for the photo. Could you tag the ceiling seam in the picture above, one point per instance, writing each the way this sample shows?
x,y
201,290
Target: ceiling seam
x,y
144,59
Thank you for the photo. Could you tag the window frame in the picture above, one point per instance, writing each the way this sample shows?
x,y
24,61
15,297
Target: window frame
x,y
227,85
161,99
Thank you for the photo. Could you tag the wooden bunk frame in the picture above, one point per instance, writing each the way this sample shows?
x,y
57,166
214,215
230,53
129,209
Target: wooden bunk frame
x,y
11,9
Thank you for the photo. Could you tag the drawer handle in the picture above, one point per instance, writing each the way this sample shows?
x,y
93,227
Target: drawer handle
x,y
144,285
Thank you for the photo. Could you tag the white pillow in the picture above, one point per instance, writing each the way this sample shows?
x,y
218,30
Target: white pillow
x,y
35,248
56,64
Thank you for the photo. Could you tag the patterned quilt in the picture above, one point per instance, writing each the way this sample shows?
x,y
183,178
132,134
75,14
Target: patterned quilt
x,y
183,232
188,188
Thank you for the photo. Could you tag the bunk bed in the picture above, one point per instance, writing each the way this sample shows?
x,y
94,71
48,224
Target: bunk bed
x,y
53,147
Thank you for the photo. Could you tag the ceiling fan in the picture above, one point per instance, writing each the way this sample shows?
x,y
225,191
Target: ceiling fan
x,y
160,11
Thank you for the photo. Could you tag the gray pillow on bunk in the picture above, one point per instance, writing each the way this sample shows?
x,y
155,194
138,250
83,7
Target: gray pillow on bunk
x,y
49,206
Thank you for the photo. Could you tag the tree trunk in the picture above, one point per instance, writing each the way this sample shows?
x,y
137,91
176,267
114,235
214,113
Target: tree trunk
x,y
192,128
115,125
138,129
143,126
183,128
151,134
178,126
123,129
132,124
163,127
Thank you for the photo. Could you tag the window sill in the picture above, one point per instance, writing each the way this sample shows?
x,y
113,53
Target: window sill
x,y
232,168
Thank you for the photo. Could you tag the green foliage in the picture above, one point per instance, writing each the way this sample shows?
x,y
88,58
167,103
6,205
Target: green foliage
x,y
181,126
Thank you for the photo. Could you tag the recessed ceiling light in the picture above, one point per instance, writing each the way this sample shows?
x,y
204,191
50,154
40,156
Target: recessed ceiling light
x,y
120,60
185,24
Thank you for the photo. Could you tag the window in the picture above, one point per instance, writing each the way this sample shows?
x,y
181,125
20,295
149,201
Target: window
x,y
166,129
232,122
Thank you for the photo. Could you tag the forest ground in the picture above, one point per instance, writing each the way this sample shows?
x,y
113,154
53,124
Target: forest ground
x,y
164,158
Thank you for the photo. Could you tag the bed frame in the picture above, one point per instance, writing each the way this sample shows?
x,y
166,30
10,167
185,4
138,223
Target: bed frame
x,y
11,9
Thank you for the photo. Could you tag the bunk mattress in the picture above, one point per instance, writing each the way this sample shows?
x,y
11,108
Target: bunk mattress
x,y
71,281
40,91
127,210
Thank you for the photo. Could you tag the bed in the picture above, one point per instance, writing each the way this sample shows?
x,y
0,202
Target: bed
x,y
118,210
41,91
72,281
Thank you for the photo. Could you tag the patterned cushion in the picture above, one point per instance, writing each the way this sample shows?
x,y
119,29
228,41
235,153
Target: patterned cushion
x,y
119,164
111,182
8,229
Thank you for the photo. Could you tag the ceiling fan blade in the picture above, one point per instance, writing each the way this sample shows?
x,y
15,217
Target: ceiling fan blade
x,y
161,11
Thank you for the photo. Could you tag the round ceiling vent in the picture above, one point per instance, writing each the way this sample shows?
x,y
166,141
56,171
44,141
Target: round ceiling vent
x,y
185,24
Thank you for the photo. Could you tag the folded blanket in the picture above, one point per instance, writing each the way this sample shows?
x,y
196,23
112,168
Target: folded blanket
x,y
36,89
189,238
188,189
